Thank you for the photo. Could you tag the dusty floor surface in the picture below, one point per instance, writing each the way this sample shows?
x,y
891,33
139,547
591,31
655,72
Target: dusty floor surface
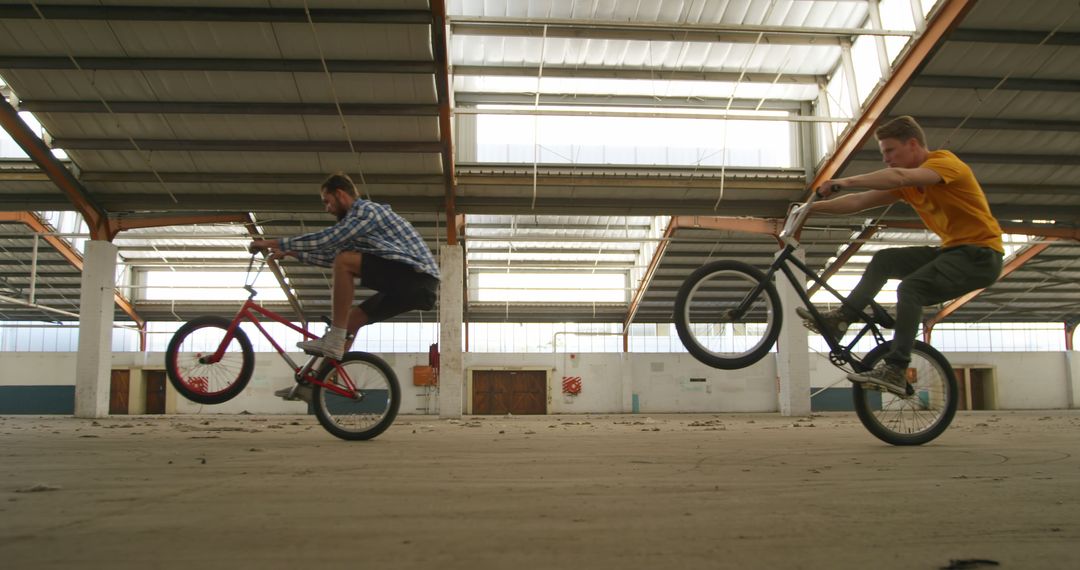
x,y
567,492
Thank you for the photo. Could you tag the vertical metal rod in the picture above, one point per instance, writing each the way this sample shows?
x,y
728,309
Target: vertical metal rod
x,y
849,75
823,110
33,269
917,15
879,41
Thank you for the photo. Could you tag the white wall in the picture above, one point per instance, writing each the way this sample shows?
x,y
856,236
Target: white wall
x,y
661,381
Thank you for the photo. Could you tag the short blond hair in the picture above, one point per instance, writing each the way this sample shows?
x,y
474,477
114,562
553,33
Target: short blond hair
x,y
903,129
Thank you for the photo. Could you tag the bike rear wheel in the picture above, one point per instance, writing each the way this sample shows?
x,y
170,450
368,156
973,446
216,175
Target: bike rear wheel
x,y
915,419
375,401
192,370
727,314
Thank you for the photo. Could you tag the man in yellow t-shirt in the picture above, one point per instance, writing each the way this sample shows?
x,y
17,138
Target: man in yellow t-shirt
x,y
949,200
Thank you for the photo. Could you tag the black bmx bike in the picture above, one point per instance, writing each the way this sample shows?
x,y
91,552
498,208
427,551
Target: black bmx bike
x,y
728,316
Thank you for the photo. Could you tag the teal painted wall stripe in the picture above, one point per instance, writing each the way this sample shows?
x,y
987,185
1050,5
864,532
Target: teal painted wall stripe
x,y
37,400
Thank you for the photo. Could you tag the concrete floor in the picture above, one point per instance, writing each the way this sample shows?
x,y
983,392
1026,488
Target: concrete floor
x,y
567,492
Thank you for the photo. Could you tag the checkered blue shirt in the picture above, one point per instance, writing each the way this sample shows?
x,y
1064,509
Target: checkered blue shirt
x,y
368,228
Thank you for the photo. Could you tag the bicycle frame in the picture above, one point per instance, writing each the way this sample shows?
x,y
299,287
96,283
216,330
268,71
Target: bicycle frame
x,y
250,311
839,353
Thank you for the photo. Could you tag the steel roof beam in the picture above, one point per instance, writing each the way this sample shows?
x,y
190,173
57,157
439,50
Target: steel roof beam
x,y
219,108
995,124
215,14
1038,230
254,145
65,249
1007,84
1028,190
250,178
646,280
1031,37
42,155
119,224
463,98
1018,260
993,158
618,72
844,257
215,64
440,50
652,31
937,29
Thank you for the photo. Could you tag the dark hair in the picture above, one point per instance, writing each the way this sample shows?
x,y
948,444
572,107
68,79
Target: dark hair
x,y
339,181
902,128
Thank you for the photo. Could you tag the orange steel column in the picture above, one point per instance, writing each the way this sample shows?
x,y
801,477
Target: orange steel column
x,y
445,96
68,252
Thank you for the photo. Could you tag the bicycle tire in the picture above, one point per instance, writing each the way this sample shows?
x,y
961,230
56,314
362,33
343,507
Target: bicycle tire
x,y
693,328
371,414
915,419
203,382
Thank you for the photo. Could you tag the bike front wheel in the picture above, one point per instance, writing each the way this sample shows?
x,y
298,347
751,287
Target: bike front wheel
x,y
919,417
194,371
728,314
374,401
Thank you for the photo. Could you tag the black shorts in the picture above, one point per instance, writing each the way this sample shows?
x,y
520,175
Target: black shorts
x,y
398,288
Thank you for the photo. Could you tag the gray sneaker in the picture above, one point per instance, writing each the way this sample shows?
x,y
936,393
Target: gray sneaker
x,y
325,346
295,392
835,319
884,376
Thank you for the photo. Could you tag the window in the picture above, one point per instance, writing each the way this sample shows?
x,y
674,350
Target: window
x,y
551,287
635,140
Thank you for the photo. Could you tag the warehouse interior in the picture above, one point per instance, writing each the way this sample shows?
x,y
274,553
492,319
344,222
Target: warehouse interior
x,y
569,163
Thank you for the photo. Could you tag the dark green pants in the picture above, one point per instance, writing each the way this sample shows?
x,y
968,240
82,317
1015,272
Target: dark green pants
x,y
929,275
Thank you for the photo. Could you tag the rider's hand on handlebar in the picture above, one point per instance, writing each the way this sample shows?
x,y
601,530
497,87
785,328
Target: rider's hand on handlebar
x,y
262,245
279,254
828,188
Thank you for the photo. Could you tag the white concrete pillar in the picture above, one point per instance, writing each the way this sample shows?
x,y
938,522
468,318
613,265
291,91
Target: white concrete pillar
x,y
451,310
1072,378
93,364
793,352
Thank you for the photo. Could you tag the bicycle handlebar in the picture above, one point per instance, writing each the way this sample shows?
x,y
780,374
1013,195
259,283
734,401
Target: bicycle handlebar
x,y
796,217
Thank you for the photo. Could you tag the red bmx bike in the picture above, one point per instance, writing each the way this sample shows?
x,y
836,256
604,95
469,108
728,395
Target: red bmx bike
x,y
210,360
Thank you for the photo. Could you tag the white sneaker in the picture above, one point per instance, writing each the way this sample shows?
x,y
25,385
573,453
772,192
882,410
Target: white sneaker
x,y
325,346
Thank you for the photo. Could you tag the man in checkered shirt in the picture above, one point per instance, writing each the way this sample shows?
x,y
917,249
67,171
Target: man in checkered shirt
x,y
371,242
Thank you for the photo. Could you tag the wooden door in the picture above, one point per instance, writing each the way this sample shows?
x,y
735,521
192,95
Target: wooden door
x,y
119,384
155,391
500,392
962,401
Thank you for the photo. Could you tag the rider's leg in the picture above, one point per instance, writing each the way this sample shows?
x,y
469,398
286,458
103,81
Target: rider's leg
x,y
886,264
399,289
892,263
357,318
952,273
346,270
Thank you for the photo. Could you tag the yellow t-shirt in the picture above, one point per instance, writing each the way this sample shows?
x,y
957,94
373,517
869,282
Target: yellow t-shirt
x,y
956,208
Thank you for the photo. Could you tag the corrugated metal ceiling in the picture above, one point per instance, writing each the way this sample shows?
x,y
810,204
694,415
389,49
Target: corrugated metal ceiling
x,y
267,159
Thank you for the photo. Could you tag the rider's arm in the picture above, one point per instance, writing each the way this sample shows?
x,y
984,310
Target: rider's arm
x,y
332,238
888,178
851,203
883,184
314,258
